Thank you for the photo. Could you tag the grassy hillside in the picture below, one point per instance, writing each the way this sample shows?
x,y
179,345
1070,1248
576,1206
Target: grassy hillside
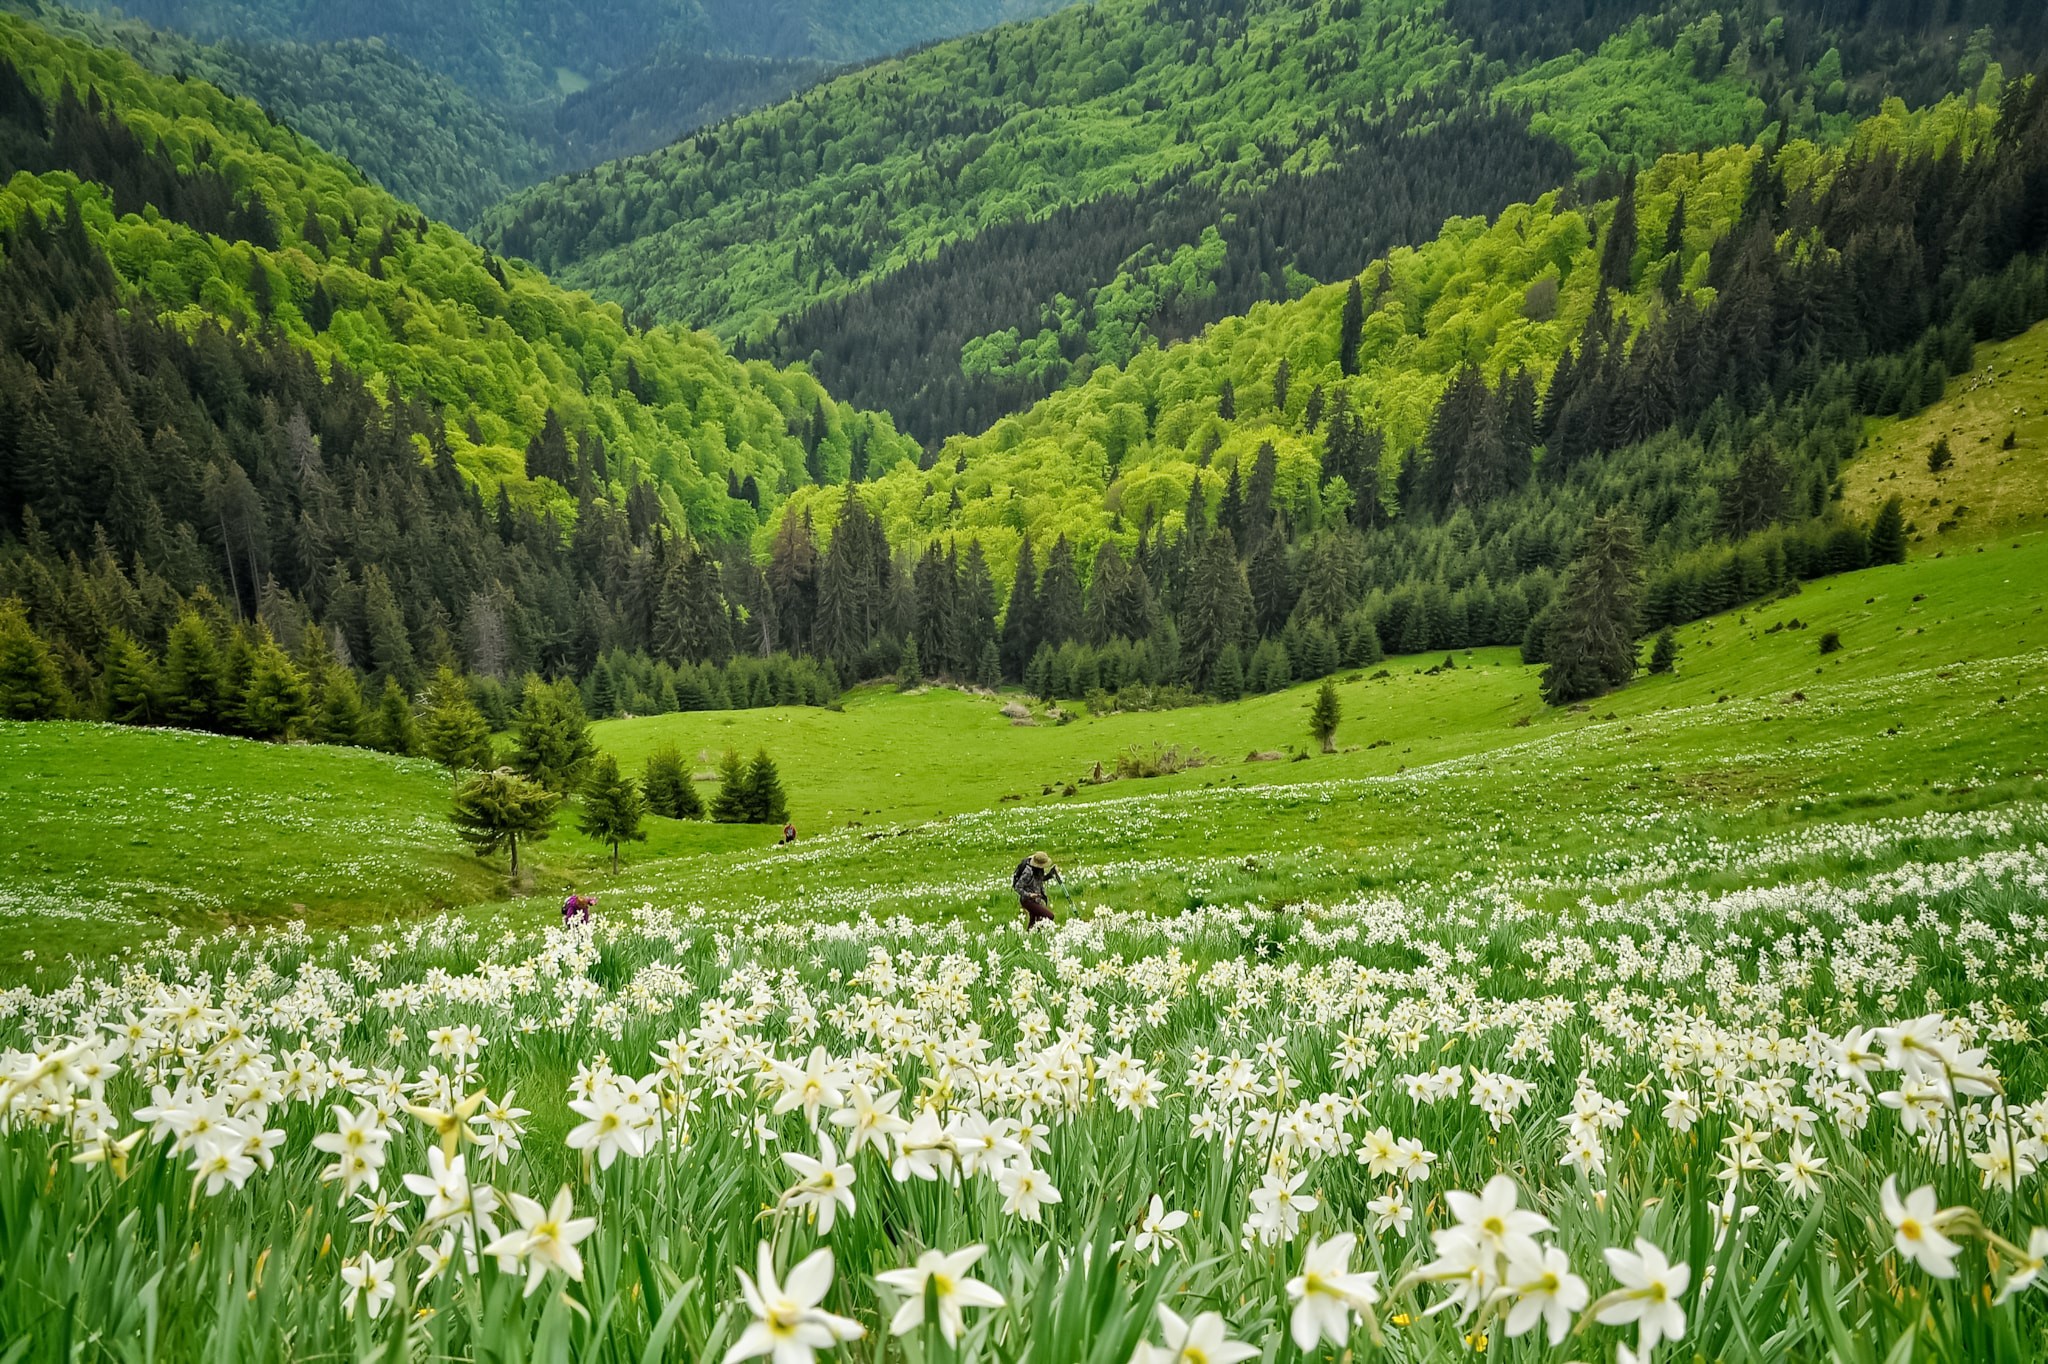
x,y
118,830
119,833
1991,487
1759,758
1938,699
894,758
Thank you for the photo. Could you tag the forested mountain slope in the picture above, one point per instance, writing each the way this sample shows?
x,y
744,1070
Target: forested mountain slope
x,y
954,234
531,50
246,396
228,363
455,107
1414,457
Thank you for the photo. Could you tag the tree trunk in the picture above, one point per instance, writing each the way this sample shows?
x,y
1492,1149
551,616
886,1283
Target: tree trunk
x,y
615,857
513,843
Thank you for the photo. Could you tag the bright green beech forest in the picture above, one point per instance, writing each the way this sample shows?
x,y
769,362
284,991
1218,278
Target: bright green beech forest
x,y
350,273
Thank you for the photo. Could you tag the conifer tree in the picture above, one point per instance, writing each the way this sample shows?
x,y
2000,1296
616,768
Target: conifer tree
x,y
603,691
1267,578
1061,616
1038,675
192,674
612,807
392,729
670,792
552,736
134,687
31,686
1591,644
853,582
729,806
1226,677
766,802
1218,611
498,809
276,699
975,611
453,732
910,671
1350,327
1230,511
1754,496
1324,716
390,645
1888,533
988,669
338,711
1258,492
1618,251
1020,619
793,580
934,583
1664,652
547,454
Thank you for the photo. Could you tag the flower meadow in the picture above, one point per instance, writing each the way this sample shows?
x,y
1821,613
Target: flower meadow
x,y
1797,1116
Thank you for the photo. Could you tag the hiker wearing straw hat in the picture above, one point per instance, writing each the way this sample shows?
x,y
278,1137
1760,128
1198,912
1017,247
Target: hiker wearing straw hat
x,y
1029,883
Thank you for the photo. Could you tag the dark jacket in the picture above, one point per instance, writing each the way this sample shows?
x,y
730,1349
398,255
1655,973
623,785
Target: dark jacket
x,y
1029,882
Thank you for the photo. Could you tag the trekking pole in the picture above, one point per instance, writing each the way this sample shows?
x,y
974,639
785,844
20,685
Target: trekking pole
x,y
1068,893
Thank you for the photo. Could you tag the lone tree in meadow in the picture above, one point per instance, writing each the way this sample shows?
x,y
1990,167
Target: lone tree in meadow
x,y
612,807
1664,653
729,806
496,809
1323,717
552,736
453,732
1888,532
766,801
1592,639
666,784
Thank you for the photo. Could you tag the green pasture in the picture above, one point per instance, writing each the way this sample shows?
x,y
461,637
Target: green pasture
x,y
920,802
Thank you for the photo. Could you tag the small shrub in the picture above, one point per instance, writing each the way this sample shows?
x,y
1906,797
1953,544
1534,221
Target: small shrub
x,y
1160,760
1940,457
1664,652
1830,642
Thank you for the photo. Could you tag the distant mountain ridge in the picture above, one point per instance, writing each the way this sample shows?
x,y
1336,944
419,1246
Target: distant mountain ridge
x,y
454,107
957,233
